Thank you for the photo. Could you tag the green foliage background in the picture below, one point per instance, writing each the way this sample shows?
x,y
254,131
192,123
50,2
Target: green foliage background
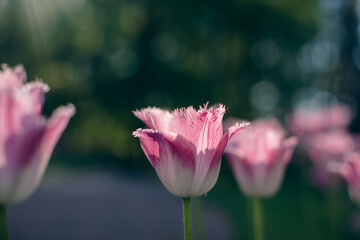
x,y
111,57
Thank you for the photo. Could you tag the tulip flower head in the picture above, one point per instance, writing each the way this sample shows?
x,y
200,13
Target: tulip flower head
x,y
258,157
27,139
185,146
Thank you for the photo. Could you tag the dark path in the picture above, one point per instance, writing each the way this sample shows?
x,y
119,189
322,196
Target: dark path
x,y
103,205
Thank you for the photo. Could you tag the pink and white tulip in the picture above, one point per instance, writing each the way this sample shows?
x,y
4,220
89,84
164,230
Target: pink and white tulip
x,y
259,156
185,146
27,139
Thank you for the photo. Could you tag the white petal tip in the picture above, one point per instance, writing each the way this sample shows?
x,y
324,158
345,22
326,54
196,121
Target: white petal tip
x,y
138,132
38,84
291,142
68,110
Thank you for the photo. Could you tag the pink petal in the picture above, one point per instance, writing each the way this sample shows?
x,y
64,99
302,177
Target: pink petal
x,y
188,123
8,108
36,96
211,131
21,107
54,128
11,78
28,153
208,162
229,134
156,145
340,116
208,182
349,169
243,173
154,118
203,128
272,180
173,158
149,143
18,174
17,118
21,148
209,138
289,145
255,179
5,122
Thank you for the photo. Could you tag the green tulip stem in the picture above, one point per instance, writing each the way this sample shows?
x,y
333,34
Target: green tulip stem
x,y
258,219
198,218
4,229
187,218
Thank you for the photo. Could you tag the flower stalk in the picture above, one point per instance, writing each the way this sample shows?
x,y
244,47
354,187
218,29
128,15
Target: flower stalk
x,y
4,230
198,218
258,219
187,218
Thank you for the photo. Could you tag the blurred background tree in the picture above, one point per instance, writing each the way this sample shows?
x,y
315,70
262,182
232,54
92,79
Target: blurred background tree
x,y
109,57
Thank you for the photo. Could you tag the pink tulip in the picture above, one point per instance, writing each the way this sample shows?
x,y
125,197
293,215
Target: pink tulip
x,y
306,122
356,139
350,170
258,157
27,139
327,147
185,146
327,150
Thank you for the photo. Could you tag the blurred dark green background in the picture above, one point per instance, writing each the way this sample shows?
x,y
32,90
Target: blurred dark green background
x,y
257,57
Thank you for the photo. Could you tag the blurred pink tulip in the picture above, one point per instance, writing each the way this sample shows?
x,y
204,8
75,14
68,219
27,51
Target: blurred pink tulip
x,y
185,146
327,150
306,122
326,147
356,139
27,139
323,136
350,170
258,157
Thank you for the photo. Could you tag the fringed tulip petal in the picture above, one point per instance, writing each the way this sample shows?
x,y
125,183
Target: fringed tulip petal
x,y
154,118
35,99
12,78
211,131
208,141
188,123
